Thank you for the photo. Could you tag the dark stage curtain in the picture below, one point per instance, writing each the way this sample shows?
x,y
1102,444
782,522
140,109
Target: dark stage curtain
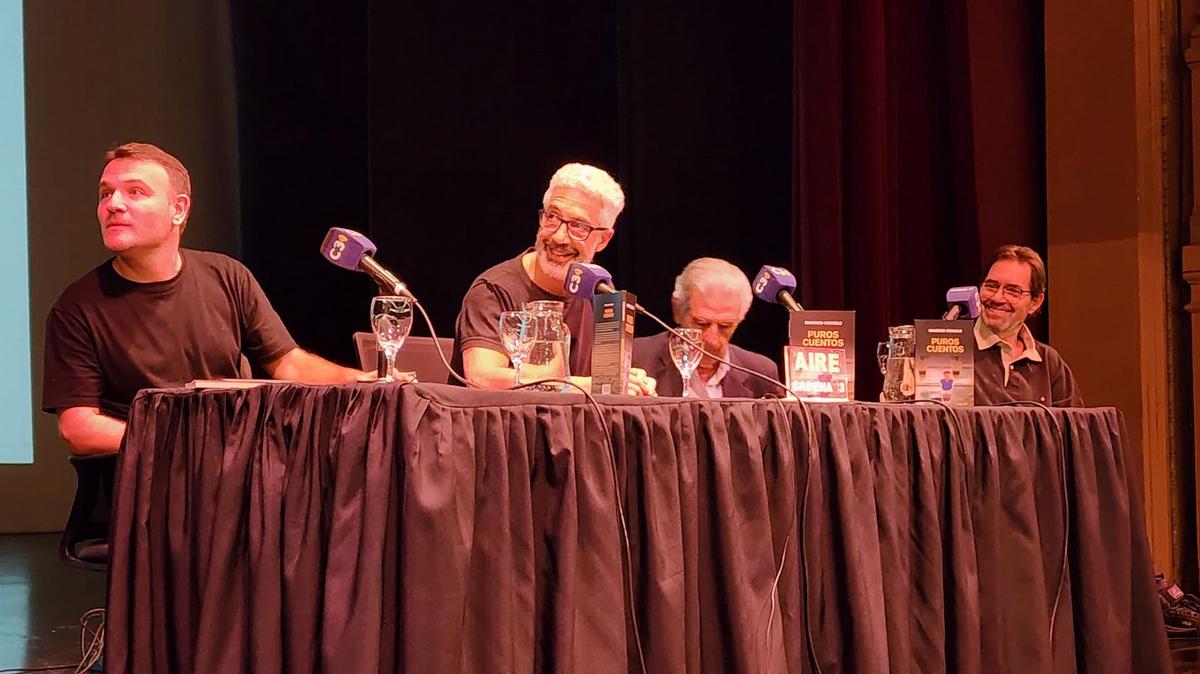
x,y
881,148
918,150
435,529
688,107
301,73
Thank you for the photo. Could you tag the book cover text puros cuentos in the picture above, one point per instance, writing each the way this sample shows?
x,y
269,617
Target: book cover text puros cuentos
x,y
945,362
819,359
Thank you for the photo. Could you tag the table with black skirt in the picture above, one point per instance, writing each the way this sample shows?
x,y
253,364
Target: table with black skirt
x,y
429,528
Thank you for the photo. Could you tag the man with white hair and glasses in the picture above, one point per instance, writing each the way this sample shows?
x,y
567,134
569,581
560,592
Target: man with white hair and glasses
x,y
1010,365
578,215
712,296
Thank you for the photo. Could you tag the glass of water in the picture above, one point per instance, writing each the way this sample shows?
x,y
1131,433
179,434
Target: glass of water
x,y
685,351
516,334
391,321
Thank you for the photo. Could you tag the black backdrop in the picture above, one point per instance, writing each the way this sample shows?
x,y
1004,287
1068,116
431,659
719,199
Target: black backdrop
x,y
435,131
879,149
690,110
301,99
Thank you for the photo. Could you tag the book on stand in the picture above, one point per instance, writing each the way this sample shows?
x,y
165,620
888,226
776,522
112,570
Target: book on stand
x,y
945,361
819,358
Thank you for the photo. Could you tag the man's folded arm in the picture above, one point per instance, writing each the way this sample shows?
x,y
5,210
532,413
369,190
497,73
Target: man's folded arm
x,y
89,431
487,368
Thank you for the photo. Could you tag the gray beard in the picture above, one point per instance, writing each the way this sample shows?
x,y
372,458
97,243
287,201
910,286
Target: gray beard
x,y
555,271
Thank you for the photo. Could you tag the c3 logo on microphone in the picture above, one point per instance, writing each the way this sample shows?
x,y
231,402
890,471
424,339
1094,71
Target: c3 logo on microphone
x,y
339,245
573,282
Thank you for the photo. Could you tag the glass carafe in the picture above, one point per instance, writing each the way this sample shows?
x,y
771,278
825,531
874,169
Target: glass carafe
x,y
550,356
896,363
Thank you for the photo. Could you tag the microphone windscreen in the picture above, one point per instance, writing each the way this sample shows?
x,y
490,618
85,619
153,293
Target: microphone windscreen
x,y
582,279
966,297
771,281
346,248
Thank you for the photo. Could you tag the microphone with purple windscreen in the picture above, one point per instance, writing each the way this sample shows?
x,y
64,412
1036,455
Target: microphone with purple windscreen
x,y
962,300
351,250
775,285
584,280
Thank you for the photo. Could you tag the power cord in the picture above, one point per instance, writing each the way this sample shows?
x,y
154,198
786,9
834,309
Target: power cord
x,y
90,650
612,462
1066,503
802,545
437,344
804,502
626,548
446,362
958,438
959,442
91,625
771,380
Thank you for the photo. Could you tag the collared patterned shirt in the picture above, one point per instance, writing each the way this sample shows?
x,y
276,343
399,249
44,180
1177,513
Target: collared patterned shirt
x,y
985,338
712,388
1038,374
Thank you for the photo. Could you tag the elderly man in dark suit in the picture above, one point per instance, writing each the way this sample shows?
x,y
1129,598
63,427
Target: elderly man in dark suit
x,y
712,296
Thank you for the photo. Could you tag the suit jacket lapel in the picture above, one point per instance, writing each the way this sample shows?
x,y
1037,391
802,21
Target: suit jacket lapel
x,y
734,385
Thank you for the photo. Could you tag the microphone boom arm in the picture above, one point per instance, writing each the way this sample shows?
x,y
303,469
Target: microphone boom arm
x,y
384,278
787,300
642,310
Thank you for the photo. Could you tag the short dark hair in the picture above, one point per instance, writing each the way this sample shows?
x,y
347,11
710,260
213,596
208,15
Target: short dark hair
x,y
177,173
1037,273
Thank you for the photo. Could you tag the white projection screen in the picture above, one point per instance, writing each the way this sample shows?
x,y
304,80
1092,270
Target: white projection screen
x,y
16,404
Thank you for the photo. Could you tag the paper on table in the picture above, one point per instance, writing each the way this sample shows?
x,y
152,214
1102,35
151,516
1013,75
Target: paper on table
x,y
229,383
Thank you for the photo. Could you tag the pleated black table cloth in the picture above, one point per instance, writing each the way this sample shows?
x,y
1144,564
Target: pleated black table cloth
x,y
428,528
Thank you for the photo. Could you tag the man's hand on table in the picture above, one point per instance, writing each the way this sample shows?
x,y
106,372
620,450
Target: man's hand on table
x,y
640,383
397,376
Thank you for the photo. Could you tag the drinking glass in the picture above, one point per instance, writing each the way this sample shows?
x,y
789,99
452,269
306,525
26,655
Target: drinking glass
x,y
685,352
391,321
516,334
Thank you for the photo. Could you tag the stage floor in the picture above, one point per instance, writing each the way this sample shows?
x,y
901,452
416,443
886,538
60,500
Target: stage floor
x,y
42,599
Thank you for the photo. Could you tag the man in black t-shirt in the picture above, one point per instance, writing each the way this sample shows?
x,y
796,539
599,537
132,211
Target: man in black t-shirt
x,y
156,315
579,211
